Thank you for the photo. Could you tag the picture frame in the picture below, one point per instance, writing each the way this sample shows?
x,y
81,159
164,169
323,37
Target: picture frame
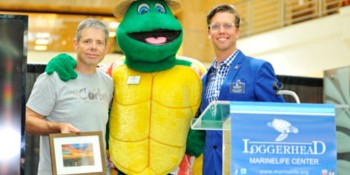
x,y
77,153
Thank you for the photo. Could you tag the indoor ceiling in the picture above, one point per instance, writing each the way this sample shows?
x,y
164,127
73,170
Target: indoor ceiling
x,y
52,24
85,7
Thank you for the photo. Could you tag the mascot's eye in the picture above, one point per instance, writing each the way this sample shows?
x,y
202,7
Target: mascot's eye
x,y
143,9
160,8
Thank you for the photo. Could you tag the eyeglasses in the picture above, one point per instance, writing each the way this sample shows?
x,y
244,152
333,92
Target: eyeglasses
x,y
216,27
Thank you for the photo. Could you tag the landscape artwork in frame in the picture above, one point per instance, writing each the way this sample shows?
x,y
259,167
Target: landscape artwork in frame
x,y
74,153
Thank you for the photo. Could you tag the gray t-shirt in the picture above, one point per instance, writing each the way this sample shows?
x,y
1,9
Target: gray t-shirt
x,y
84,102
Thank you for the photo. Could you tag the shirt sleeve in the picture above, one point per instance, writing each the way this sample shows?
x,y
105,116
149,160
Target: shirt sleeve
x,y
43,96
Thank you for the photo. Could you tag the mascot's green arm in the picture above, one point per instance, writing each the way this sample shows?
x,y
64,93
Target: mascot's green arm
x,y
63,65
107,130
196,138
195,142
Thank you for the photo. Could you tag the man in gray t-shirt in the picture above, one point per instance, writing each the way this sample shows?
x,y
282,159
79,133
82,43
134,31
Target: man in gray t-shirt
x,y
79,105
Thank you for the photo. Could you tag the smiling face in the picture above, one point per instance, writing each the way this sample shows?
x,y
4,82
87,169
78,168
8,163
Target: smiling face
x,y
149,36
224,36
91,48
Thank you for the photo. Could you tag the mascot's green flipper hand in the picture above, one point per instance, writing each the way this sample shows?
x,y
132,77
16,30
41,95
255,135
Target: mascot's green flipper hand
x,y
195,142
64,66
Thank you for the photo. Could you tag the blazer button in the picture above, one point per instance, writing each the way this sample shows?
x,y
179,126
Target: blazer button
x,y
215,147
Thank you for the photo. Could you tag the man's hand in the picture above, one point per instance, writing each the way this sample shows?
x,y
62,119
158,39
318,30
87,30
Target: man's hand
x,y
68,128
64,66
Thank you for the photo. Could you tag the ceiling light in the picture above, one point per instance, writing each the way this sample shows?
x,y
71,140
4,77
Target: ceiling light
x,y
112,34
40,47
42,41
113,25
43,35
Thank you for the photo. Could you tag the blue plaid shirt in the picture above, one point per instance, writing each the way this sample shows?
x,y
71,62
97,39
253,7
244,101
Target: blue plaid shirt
x,y
216,77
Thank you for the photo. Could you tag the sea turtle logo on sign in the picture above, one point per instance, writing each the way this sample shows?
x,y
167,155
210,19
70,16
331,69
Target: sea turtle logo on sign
x,y
282,126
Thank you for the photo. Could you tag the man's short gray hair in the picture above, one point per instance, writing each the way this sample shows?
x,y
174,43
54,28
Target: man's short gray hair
x,y
92,23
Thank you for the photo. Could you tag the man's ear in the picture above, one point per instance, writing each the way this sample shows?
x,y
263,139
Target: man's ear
x,y
75,43
209,35
238,33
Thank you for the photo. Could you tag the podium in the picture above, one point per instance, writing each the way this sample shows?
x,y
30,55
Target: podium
x,y
273,138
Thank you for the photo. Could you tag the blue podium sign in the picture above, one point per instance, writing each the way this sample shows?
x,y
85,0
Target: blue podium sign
x,y
282,138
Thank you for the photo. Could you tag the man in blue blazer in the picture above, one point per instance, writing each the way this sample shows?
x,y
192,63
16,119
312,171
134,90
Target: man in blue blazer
x,y
232,76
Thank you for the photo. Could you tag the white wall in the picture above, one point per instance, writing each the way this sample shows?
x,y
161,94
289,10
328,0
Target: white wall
x,y
305,49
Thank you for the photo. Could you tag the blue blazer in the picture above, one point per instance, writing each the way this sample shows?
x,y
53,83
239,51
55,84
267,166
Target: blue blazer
x,y
248,79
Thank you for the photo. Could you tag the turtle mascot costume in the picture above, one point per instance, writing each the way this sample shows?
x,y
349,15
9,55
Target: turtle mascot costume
x,y
155,95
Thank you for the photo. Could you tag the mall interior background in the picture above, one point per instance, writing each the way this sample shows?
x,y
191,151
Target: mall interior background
x,y
307,41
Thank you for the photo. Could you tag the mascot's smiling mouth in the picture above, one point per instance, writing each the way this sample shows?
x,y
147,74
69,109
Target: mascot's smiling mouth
x,y
155,37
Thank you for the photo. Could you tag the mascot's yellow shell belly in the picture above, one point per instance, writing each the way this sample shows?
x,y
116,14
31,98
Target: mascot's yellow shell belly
x,y
150,118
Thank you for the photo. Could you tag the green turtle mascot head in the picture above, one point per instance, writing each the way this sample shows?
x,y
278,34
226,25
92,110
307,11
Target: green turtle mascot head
x,y
149,35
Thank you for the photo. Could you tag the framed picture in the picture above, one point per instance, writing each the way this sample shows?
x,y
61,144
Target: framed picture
x,y
74,153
